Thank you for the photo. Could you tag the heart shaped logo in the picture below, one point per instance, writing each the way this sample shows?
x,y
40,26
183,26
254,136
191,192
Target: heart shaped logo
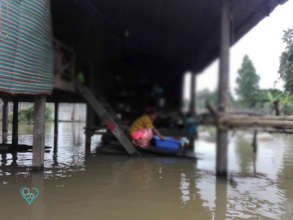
x,y
29,195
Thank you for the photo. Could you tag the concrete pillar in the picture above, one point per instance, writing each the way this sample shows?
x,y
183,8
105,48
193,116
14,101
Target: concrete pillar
x,y
15,124
56,117
223,92
5,121
39,132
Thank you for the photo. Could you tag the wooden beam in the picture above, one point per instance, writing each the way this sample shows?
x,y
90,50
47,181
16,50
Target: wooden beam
x,y
5,121
249,117
39,132
62,84
222,135
15,124
254,122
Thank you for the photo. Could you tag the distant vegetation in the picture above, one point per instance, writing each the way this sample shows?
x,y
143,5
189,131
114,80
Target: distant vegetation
x,y
249,95
26,115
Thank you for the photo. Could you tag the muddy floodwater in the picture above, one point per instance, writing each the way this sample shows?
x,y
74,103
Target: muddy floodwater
x,y
75,186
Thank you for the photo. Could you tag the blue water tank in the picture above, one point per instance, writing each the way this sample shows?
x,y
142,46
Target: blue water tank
x,y
168,145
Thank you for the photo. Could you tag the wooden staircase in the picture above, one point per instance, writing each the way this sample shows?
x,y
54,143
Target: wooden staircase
x,y
108,117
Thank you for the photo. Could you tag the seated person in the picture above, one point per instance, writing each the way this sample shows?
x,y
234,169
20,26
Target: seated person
x,y
142,130
191,126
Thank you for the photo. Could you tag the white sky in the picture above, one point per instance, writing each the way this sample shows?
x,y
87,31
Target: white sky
x,y
263,44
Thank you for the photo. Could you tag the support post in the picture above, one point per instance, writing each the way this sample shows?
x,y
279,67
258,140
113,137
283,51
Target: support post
x,y
39,132
15,124
277,107
56,118
223,92
254,142
192,109
88,131
221,199
5,121
193,95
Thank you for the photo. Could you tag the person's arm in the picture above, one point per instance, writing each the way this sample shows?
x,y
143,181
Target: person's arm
x,y
158,133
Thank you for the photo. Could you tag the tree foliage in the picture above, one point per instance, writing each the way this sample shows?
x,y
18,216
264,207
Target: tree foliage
x,y
286,61
26,115
247,82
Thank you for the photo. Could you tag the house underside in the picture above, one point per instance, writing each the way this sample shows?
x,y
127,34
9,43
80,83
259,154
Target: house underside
x,y
124,48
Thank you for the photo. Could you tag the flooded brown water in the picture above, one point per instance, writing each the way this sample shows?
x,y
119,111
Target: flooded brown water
x,y
78,186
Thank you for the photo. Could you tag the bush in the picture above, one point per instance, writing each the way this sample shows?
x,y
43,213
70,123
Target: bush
x,y
26,115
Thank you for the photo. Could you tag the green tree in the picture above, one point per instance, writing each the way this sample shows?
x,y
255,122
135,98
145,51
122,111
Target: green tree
x,y
247,82
286,61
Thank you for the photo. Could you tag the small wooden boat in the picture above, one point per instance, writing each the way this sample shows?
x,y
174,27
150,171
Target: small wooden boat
x,y
113,147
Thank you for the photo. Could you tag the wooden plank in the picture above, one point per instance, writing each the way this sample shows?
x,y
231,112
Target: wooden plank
x,y
15,123
107,118
39,132
5,121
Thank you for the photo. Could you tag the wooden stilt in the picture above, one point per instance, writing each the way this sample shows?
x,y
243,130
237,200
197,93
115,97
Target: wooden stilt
x,y
15,124
222,135
4,158
192,109
277,107
88,132
39,132
5,121
254,163
56,117
221,198
193,95
254,142
73,112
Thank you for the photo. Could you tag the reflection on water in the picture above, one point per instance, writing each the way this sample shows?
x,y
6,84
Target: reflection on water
x,y
74,186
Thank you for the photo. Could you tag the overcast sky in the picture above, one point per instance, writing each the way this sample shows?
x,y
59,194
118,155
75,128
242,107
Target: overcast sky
x,y
263,44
